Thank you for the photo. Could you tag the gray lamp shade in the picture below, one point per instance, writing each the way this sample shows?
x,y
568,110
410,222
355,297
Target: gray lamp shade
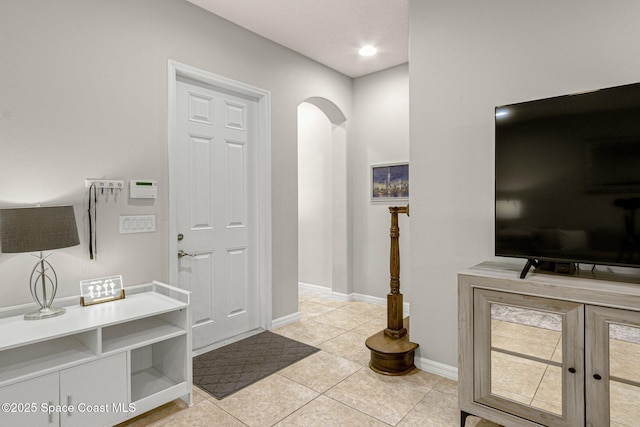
x,y
37,229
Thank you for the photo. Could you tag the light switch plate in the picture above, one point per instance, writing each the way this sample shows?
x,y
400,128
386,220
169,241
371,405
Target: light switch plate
x,y
137,224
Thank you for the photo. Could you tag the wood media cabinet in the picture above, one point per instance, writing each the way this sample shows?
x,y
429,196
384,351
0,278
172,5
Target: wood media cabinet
x,y
548,350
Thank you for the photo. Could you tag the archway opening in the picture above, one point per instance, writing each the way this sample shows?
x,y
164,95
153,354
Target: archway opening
x,y
323,218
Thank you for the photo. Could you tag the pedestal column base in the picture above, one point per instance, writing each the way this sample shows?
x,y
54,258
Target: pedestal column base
x,y
391,356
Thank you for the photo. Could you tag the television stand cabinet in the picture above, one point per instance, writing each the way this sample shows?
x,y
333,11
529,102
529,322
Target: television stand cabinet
x,y
97,365
550,350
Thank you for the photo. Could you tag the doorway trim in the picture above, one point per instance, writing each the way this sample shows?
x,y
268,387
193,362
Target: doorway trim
x,y
263,98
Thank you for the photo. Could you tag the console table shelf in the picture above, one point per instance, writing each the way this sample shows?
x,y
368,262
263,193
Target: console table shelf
x,y
138,332
148,382
129,353
20,363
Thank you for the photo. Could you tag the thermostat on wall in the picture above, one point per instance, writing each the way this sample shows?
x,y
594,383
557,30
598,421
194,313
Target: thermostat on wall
x,y
143,189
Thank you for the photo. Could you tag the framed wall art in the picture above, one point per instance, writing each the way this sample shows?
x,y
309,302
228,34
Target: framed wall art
x,y
390,182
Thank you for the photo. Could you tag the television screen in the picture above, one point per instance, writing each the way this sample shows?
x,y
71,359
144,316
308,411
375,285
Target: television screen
x,y
567,178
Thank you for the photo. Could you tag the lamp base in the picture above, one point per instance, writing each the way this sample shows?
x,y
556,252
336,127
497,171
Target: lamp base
x,y
44,313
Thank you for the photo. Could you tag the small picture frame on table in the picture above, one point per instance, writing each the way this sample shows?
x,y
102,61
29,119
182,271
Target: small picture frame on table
x,y
103,289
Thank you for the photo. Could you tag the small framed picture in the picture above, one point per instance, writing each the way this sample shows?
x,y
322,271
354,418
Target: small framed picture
x,y
390,182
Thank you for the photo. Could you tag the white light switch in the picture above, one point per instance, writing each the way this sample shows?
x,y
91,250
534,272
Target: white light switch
x,y
137,224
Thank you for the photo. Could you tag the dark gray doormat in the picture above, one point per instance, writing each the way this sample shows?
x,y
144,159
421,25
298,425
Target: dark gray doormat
x,y
228,369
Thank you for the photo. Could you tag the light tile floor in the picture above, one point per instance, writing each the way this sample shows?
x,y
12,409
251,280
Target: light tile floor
x,y
333,387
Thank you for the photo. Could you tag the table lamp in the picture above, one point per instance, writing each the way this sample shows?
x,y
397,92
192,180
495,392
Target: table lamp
x,y
37,230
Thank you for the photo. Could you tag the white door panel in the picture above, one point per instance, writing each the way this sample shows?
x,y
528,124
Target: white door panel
x,y
216,163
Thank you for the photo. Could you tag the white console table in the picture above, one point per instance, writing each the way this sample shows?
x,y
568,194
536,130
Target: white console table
x,y
549,350
97,365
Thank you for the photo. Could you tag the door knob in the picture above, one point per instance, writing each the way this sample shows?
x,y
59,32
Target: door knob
x,y
182,253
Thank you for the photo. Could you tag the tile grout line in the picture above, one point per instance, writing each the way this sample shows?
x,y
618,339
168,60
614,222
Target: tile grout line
x,y
349,406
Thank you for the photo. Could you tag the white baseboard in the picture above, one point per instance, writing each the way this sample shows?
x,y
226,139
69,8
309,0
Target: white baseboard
x,y
285,320
380,301
437,368
323,290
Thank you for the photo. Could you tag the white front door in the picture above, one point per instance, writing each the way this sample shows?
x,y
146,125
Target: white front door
x,y
216,189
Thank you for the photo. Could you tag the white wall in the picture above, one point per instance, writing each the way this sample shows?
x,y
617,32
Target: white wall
x,y
83,94
315,197
466,58
380,134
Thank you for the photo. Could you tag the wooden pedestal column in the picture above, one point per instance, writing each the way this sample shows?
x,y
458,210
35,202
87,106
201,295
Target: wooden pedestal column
x,y
391,351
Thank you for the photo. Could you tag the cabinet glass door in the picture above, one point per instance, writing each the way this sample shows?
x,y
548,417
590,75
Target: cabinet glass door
x,y
613,367
528,358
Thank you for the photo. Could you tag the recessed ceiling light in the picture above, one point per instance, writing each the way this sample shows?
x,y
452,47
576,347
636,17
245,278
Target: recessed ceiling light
x,y
368,50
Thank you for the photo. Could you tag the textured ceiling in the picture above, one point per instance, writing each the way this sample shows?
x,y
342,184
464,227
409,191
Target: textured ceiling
x,y
327,31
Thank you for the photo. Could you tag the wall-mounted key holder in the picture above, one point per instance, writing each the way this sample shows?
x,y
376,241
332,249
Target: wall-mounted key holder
x,y
108,189
104,185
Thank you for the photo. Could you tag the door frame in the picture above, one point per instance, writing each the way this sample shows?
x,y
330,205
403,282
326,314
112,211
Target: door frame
x,y
263,98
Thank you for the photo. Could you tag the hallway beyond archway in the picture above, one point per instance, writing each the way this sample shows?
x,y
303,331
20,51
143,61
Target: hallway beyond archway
x,y
324,256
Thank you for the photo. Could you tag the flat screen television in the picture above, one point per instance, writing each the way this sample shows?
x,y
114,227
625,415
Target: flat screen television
x,y
567,179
